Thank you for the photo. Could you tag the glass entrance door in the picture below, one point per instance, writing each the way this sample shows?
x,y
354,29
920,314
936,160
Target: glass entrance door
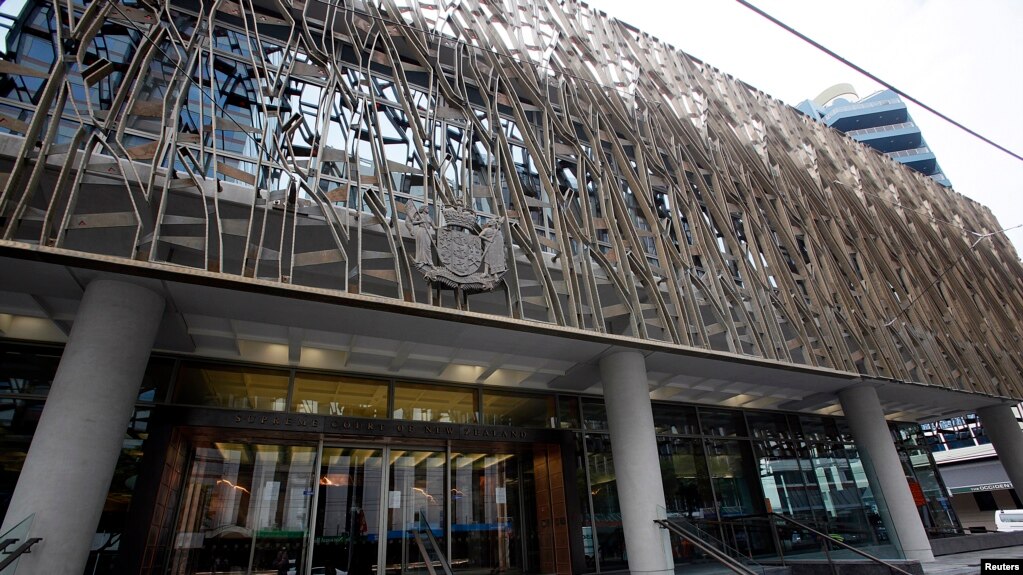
x,y
486,513
263,508
346,535
245,508
416,510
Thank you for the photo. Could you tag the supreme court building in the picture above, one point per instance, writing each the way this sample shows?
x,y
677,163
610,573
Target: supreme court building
x,y
345,287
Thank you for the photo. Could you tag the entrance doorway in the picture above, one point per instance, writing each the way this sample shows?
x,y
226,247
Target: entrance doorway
x,y
274,508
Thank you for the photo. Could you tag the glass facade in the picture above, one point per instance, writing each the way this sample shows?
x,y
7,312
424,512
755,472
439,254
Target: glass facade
x,y
425,402
930,493
721,470
348,510
245,508
234,387
337,395
26,374
964,431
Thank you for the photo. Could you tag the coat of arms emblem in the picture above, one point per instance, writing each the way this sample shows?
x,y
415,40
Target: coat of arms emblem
x,y
471,257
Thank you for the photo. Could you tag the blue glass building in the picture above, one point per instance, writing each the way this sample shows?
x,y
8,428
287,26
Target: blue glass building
x,y
881,121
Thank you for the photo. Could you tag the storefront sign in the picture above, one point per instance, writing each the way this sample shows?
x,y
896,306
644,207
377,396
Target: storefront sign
x,y
984,487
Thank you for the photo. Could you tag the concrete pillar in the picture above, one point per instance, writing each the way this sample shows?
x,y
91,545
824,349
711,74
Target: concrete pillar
x,y
637,468
884,471
71,460
1007,438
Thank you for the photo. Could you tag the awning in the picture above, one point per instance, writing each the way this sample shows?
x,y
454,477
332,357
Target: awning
x,y
975,476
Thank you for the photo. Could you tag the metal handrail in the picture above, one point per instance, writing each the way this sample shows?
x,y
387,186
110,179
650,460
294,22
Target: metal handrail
x,y
12,556
831,540
706,534
710,550
913,152
423,528
879,129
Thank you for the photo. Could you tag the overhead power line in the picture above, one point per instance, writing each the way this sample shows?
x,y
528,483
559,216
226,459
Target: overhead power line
x,y
860,69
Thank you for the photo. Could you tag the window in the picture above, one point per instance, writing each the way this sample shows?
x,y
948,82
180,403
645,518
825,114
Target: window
x,y
423,402
675,420
339,395
722,423
234,387
517,409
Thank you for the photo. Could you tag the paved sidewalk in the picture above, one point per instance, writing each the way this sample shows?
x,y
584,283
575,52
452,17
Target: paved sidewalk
x,y
969,563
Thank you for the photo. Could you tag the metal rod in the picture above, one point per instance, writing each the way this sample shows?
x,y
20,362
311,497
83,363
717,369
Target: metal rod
x,y
720,556
841,543
18,551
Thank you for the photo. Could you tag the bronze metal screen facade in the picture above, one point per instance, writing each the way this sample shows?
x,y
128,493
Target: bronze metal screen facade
x,y
639,192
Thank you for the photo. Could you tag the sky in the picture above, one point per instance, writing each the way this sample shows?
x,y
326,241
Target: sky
x,y
964,59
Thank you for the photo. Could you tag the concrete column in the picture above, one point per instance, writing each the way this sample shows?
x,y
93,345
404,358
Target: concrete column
x,y
884,471
637,468
71,460
1007,438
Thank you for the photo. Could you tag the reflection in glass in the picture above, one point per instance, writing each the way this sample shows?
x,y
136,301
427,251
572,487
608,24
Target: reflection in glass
x,y
607,515
244,508
418,402
235,387
568,412
415,505
485,522
841,499
594,414
687,490
817,428
675,420
732,473
731,470
784,482
872,506
339,395
768,425
936,512
25,370
517,410
722,423
348,511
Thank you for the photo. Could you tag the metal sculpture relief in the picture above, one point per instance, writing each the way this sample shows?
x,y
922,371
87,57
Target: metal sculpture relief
x,y
469,257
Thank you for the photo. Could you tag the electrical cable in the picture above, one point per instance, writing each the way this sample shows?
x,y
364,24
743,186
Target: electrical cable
x,y
873,77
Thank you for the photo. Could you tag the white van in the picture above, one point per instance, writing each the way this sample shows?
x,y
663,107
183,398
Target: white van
x,y
1009,520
